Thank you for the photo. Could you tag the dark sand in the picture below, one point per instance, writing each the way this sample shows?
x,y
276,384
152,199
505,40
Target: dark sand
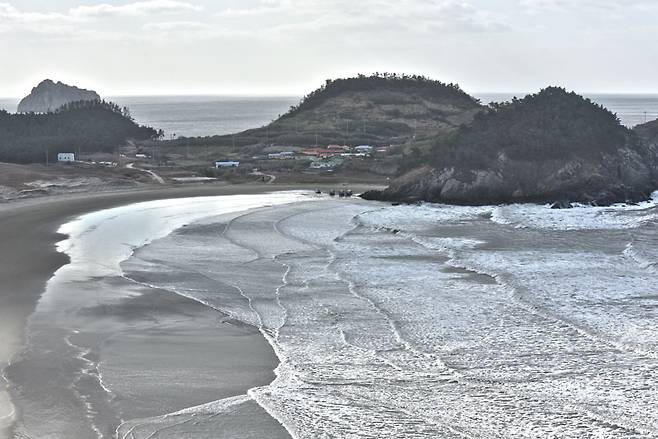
x,y
29,258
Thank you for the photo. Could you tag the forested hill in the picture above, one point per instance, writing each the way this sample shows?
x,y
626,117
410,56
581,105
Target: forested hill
x,y
550,146
90,126
378,109
386,89
552,124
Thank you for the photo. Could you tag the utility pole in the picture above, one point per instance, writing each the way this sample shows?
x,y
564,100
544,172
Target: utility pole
x,y
46,157
365,125
316,140
645,117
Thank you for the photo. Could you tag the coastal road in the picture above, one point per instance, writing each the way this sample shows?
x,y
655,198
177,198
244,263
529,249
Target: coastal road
x,y
272,178
153,175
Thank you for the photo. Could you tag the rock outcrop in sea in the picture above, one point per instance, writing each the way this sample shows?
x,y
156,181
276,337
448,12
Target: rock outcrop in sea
x,y
550,147
48,96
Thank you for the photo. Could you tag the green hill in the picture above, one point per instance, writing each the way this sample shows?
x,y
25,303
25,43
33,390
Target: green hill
x,y
90,126
553,145
378,109
552,124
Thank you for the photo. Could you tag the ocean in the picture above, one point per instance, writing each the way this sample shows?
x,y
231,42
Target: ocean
x,y
427,321
193,116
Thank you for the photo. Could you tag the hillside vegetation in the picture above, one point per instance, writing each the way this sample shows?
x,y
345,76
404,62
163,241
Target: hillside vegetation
x,y
553,145
552,124
377,109
90,126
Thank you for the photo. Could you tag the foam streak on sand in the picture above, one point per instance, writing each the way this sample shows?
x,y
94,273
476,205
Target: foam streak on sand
x,y
90,317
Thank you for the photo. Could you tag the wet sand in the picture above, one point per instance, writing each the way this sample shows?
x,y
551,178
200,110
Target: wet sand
x,y
29,258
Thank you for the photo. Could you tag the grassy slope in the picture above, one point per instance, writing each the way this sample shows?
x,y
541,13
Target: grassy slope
x,y
363,110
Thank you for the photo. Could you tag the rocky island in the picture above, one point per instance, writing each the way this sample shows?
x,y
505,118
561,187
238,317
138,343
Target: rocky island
x,y
48,96
553,146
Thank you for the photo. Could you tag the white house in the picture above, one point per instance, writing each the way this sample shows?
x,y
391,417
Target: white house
x,y
363,148
326,164
66,157
284,155
226,164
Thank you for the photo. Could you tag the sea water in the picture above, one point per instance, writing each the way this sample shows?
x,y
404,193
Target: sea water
x,y
193,116
432,321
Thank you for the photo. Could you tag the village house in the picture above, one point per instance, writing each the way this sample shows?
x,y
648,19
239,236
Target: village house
x,y
338,148
364,149
321,152
284,155
226,164
66,157
329,163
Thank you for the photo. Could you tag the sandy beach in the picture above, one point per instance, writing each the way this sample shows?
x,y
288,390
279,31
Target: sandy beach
x,y
29,259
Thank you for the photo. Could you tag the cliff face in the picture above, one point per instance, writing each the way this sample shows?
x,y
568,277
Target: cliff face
x,y
648,133
49,96
620,177
549,147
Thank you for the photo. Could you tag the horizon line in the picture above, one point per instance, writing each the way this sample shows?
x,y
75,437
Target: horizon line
x,y
281,95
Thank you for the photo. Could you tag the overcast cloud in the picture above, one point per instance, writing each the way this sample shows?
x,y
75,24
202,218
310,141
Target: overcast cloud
x,y
290,46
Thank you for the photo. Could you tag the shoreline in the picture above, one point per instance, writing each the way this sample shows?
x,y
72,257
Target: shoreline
x,y
29,234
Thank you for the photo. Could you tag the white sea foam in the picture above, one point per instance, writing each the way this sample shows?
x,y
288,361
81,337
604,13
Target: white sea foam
x,y
544,343
578,218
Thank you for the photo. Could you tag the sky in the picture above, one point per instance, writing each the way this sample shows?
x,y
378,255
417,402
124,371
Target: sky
x,y
289,47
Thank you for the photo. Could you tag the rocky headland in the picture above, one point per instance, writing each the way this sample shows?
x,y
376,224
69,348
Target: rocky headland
x,y
550,147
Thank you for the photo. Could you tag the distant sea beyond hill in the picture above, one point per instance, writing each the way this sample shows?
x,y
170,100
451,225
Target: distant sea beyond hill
x,y
193,116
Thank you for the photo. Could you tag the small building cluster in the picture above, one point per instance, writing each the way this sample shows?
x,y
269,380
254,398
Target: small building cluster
x,y
317,158
330,156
